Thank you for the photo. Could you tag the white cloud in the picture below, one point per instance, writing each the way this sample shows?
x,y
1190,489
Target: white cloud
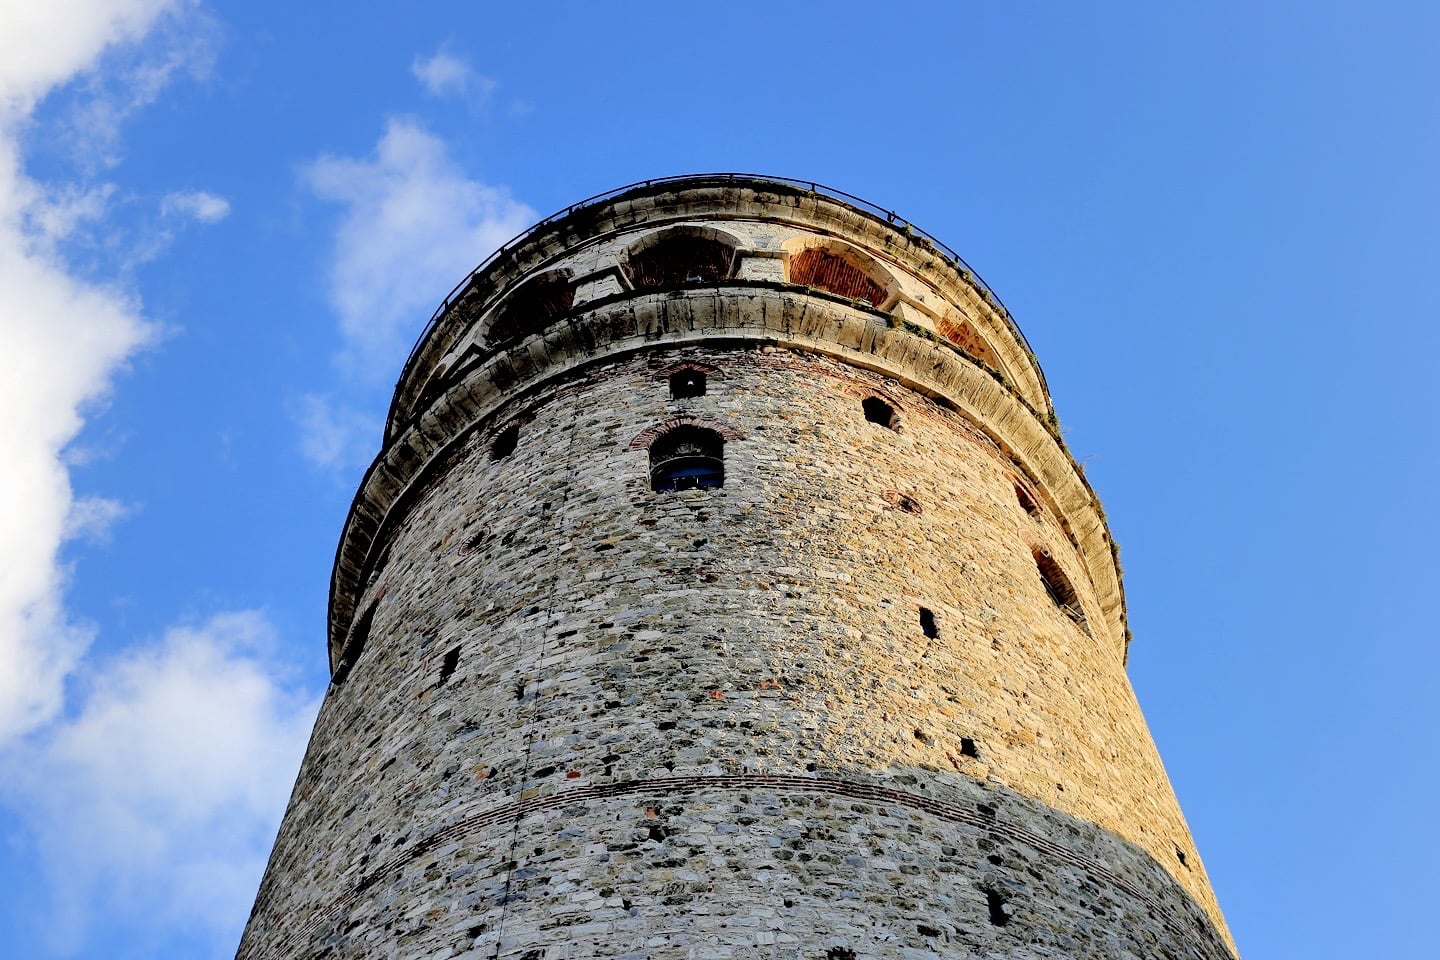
x,y
130,78
56,213
446,74
92,517
153,800
65,339
195,205
44,45
155,805
334,437
413,226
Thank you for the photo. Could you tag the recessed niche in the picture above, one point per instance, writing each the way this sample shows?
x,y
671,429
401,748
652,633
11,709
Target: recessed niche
x,y
824,270
679,256
996,905
354,646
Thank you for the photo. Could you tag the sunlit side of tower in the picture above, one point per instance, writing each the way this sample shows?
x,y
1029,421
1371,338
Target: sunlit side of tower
x,y
724,589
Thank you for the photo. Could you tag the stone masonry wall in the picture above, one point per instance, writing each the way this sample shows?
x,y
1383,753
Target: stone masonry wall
x,y
594,720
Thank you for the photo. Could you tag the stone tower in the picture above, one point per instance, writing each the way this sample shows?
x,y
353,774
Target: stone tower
x,y
724,589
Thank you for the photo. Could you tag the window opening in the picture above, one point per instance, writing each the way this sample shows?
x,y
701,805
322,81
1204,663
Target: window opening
x,y
968,748
878,411
814,267
505,442
680,258
1058,586
687,383
531,308
1027,502
687,458
927,623
998,916
448,663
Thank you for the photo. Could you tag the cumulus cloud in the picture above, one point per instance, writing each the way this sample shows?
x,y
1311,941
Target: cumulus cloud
x,y
195,205
152,796
159,799
65,339
334,436
444,74
412,226
44,45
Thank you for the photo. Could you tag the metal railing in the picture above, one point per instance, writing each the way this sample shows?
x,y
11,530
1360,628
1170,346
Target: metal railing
x,y
702,179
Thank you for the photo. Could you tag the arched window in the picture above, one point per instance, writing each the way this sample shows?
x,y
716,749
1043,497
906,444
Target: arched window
x,y
686,383
687,458
815,267
531,308
680,257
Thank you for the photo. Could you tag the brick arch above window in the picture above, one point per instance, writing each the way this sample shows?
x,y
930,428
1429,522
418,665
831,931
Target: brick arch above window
x,y
502,438
643,439
711,371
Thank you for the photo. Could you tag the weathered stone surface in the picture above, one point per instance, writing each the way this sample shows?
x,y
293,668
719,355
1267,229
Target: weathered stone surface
x,y
829,709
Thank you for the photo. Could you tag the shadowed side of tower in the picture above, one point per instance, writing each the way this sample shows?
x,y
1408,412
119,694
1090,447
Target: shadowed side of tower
x,y
723,590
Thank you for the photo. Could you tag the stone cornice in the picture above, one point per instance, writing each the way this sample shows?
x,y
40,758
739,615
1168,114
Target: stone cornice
x,y
735,312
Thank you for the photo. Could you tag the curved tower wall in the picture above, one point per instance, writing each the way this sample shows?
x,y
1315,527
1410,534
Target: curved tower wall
x,y
866,699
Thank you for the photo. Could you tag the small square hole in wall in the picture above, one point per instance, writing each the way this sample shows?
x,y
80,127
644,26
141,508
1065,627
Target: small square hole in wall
x,y
448,663
687,383
996,905
1058,586
927,623
879,412
1027,502
505,442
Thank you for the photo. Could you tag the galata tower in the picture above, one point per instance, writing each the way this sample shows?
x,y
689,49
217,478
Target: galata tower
x,y
723,588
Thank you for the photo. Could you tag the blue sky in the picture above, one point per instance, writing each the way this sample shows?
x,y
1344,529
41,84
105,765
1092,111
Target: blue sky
x,y
223,224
